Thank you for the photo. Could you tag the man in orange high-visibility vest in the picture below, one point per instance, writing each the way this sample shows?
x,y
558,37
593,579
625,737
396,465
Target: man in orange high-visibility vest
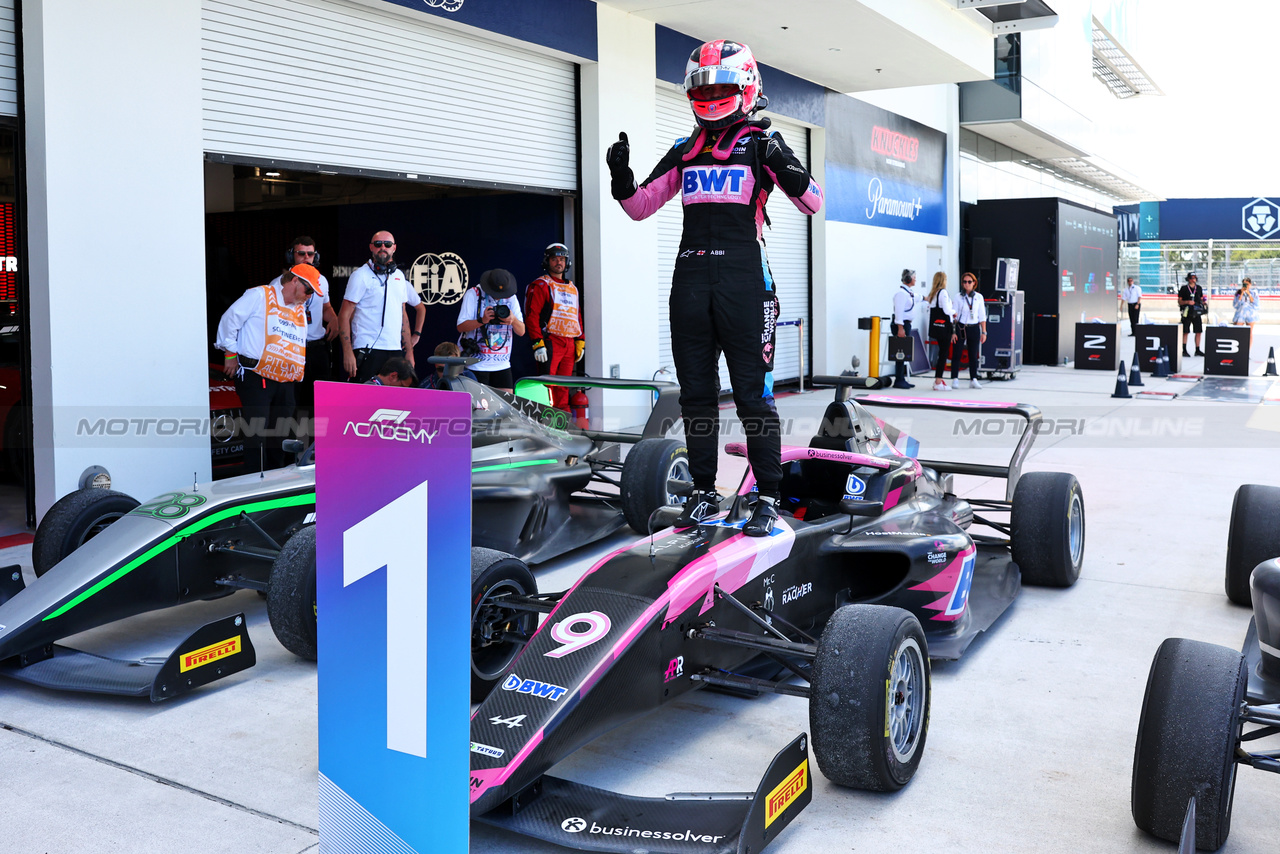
x,y
264,337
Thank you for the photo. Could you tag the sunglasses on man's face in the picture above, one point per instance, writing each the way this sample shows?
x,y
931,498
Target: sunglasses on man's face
x,y
308,290
384,243
298,252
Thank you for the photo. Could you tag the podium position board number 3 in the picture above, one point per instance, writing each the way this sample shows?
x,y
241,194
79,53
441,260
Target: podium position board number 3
x,y
394,538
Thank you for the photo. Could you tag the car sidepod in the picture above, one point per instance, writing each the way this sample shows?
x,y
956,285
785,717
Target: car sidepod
x,y
956,588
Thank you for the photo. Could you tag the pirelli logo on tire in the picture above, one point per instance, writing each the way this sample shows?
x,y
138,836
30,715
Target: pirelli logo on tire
x,y
207,654
786,792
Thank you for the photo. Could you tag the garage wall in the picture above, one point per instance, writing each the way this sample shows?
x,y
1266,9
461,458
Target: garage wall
x,y
117,325
8,61
363,87
864,263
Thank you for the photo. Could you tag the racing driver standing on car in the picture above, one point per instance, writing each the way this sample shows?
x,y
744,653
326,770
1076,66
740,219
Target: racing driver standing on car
x,y
722,293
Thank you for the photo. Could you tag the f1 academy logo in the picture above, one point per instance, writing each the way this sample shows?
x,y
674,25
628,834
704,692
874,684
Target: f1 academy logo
x,y
389,424
1260,218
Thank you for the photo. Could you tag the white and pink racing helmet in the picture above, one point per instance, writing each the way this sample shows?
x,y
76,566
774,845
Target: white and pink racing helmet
x,y
722,82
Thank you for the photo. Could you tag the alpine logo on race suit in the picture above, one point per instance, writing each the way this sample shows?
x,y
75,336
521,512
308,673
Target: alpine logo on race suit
x,y
703,184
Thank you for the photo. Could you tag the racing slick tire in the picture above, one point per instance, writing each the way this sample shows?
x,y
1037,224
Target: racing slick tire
x,y
291,594
1187,738
75,519
1254,536
1047,528
869,701
494,573
645,472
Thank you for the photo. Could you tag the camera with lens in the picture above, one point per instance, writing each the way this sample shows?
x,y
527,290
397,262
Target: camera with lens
x,y
501,312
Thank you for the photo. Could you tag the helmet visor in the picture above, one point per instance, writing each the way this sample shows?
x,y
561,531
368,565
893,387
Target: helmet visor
x,y
714,76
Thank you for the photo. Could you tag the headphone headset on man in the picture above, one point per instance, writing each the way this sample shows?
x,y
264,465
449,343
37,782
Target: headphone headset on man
x,y
289,262
553,250
907,276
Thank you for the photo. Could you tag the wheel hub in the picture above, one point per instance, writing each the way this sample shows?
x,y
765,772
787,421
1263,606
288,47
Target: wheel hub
x,y
907,697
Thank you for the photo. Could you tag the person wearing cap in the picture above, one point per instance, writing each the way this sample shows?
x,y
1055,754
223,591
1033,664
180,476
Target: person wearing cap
x,y
396,371
374,320
489,319
322,325
555,320
1193,305
264,337
904,306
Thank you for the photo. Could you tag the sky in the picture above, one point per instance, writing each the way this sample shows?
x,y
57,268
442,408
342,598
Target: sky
x,y
1216,130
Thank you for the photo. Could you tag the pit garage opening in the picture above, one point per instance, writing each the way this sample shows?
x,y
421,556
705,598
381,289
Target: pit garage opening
x,y
446,236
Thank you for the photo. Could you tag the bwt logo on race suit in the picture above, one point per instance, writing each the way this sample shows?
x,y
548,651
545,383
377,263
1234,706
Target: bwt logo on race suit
x,y
717,184
439,279
1260,218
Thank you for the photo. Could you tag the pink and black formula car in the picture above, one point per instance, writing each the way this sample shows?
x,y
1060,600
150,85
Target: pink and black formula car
x,y
874,567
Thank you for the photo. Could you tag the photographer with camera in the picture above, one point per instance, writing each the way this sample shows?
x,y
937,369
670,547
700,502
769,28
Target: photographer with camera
x,y
1194,307
488,321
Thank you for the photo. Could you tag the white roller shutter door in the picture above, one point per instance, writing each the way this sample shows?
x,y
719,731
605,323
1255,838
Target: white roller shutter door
x,y
8,61
786,242
334,83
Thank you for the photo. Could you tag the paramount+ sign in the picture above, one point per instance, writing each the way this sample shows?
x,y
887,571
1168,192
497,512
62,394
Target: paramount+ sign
x,y
883,169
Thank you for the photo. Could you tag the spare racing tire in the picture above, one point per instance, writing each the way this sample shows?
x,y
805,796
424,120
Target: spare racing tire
x,y
1254,536
72,521
645,475
1046,528
291,594
493,575
869,701
1187,738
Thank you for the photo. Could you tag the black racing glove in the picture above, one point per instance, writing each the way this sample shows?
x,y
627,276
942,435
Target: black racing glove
x,y
618,159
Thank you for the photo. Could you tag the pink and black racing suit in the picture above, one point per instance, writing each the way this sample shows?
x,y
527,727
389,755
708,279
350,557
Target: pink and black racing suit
x,y
723,297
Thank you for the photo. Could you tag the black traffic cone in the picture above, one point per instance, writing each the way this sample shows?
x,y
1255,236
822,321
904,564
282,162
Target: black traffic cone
x,y
1271,363
1162,363
1122,387
1135,372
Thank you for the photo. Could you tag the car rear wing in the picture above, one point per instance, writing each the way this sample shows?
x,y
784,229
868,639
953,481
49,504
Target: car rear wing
x,y
577,816
1011,472
664,415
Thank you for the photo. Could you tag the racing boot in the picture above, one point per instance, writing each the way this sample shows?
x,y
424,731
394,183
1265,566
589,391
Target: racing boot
x,y
762,518
700,505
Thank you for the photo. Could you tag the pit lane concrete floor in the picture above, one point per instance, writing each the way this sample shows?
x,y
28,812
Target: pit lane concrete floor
x,y
1031,736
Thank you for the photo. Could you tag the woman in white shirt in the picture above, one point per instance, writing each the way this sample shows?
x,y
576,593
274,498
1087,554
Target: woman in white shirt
x,y
971,329
941,315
